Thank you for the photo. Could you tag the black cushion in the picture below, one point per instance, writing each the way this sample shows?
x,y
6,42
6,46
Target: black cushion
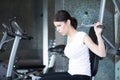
x,y
94,59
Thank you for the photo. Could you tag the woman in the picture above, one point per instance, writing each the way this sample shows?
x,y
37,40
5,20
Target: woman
x,y
77,47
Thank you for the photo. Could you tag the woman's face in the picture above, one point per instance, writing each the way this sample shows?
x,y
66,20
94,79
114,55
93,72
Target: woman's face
x,y
61,27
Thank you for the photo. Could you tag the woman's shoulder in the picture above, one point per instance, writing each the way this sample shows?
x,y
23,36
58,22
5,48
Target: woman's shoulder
x,y
81,36
82,33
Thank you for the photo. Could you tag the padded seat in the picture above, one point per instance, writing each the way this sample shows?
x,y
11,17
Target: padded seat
x,y
29,64
94,59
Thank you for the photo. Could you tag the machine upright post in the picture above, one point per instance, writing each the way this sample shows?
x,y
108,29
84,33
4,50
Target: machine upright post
x,y
101,12
12,57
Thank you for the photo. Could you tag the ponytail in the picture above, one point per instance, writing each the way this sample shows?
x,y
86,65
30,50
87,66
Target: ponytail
x,y
74,22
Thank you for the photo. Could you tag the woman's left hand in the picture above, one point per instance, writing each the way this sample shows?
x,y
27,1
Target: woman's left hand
x,y
97,29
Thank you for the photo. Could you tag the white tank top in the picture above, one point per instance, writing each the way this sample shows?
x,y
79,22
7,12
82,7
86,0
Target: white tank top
x,y
78,54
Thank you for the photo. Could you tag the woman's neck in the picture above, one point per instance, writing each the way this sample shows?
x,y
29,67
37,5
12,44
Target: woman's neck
x,y
71,34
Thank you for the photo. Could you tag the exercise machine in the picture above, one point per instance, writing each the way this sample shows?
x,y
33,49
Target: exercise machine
x,y
14,31
12,70
113,49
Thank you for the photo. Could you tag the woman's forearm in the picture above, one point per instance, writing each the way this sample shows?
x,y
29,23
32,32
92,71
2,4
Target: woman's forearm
x,y
101,46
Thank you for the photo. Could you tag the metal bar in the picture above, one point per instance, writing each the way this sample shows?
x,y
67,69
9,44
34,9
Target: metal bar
x,y
12,57
117,5
16,26
101,12
7,40
3,39
108,42
45,32
116,22
101,16
83,25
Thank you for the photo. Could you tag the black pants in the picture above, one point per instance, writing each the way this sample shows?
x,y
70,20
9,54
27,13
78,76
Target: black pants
x,y
63,76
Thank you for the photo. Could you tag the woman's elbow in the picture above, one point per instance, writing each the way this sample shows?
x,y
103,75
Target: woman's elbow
x,y
103,54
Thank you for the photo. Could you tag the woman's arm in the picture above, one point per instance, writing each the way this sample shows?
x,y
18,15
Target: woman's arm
x,y
98,49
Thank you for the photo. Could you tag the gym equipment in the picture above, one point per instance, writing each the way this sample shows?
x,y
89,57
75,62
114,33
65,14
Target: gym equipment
x,y
3,66
57,49
113,49
28,70
3,71
94,59
18,36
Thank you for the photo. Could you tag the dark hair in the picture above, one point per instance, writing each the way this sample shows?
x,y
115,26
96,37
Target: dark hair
x,y
63,15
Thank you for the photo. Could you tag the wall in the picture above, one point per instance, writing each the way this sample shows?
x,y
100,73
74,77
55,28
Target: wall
x,y
30,15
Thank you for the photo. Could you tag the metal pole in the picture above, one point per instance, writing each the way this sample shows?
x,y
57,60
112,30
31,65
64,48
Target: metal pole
x,y
102,9
117,5
3,39
45,32
101,16
12,57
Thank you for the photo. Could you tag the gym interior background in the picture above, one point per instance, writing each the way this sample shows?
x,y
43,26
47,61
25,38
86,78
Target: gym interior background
x,y
35,15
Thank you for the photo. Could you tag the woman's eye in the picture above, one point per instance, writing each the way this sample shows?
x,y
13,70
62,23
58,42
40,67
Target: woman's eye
x,y
58,25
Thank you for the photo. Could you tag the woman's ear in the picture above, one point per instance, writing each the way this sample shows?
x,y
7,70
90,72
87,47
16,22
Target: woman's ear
x,y
68,21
